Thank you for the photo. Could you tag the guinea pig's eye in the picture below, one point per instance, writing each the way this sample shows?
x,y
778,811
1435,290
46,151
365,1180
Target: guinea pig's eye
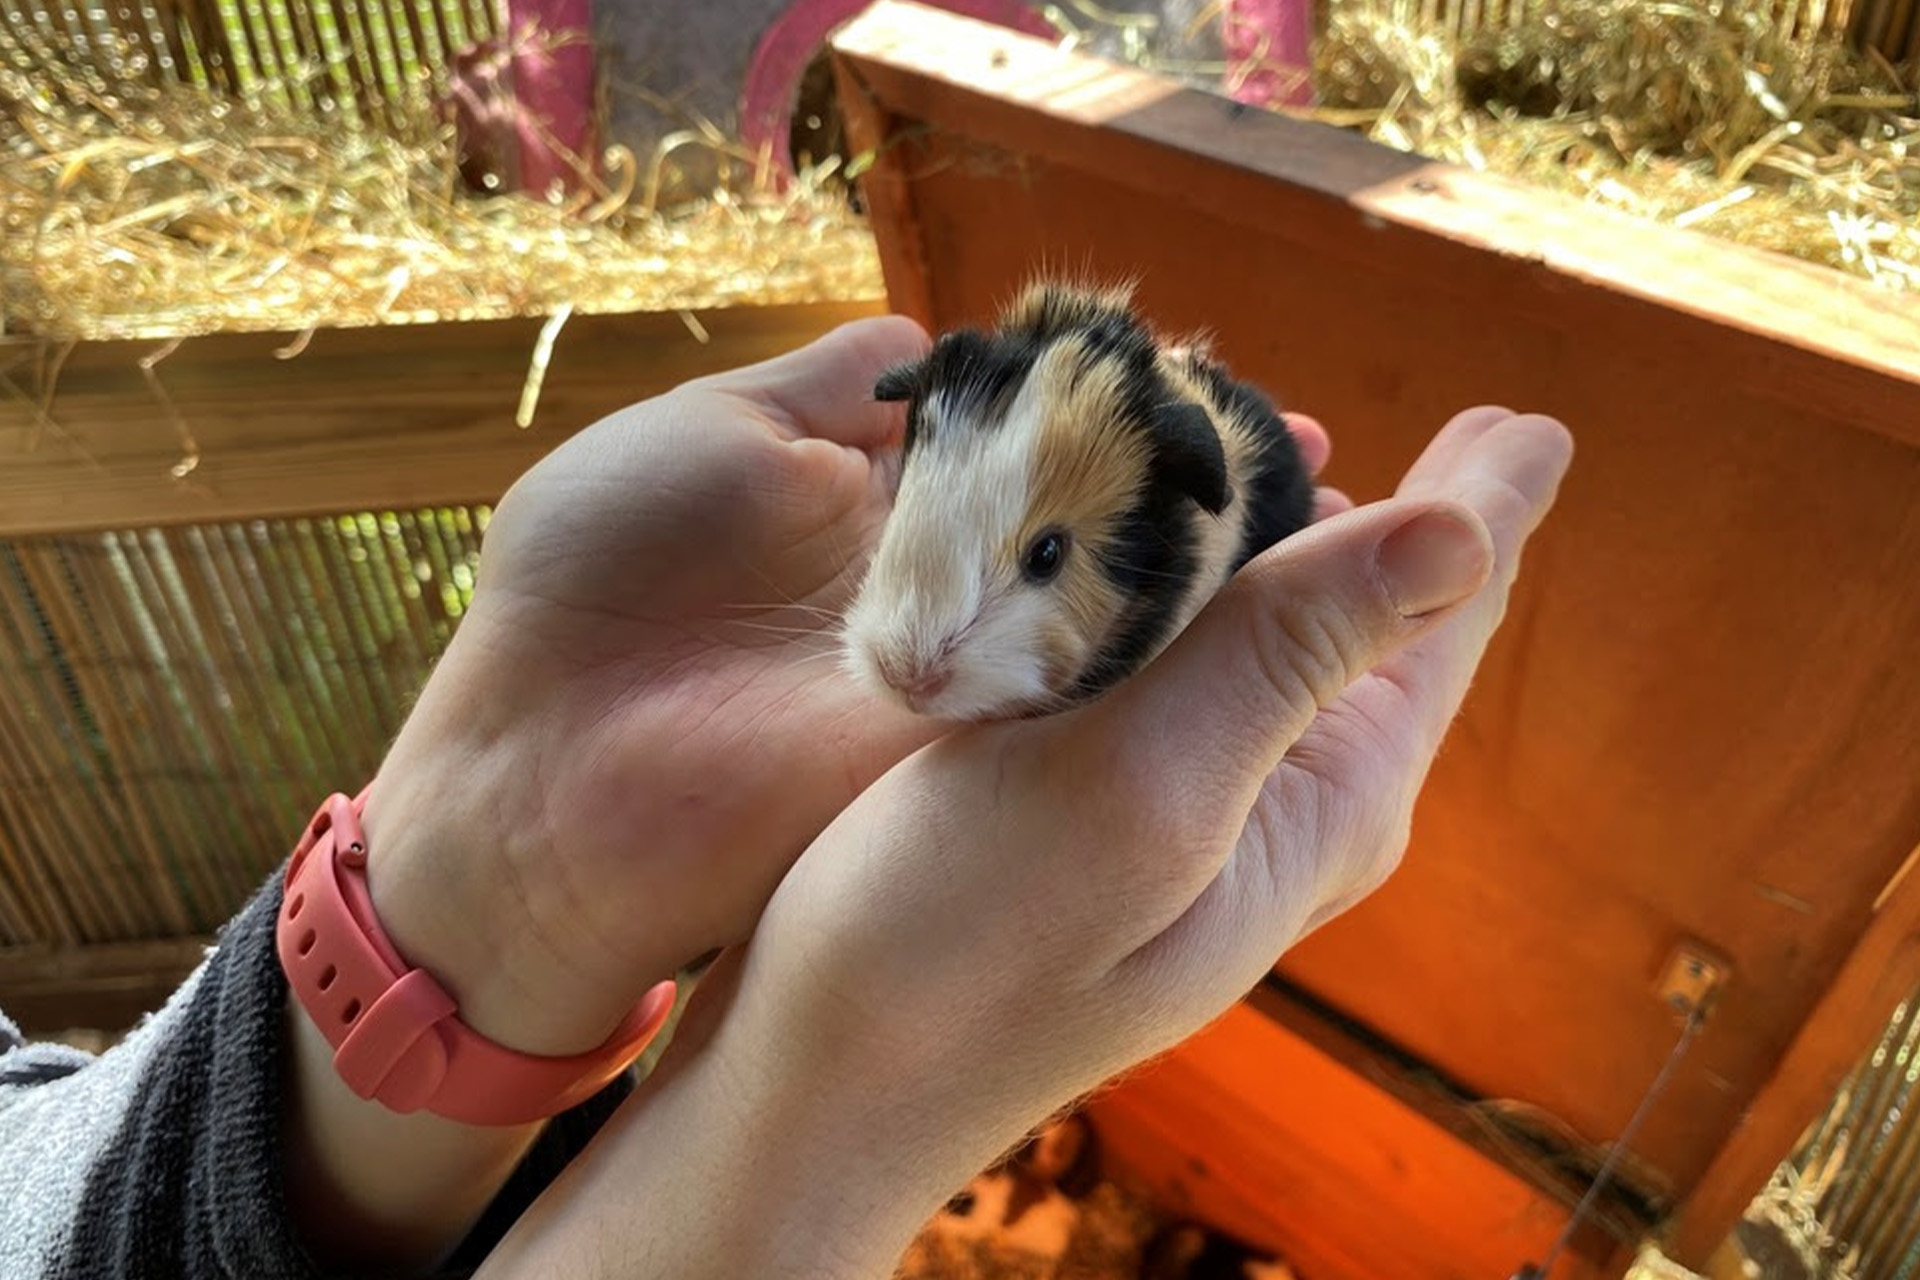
x,y
1045,556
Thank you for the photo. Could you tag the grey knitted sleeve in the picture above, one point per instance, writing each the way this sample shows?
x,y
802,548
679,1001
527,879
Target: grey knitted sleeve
x,y
161,1157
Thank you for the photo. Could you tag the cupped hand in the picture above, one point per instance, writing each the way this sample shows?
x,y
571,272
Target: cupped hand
x,y
642,720
1017,912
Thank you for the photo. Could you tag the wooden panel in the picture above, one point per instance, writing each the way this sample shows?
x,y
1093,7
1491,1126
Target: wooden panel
x,y
362,418
1875,978
1702,715
105,987
1252,1130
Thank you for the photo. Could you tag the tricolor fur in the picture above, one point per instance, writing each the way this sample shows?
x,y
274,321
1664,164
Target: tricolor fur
x,y
1158,473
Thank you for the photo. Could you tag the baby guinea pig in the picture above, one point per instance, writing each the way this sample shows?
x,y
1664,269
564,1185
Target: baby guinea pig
x,y
1071,492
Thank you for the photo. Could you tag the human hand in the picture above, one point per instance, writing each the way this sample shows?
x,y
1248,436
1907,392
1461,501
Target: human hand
x,y
640,724
642,721
631,736
1017,912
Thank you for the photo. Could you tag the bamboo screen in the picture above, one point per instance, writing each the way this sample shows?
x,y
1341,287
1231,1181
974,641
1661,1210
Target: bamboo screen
x,y
174,702
358,61
1852,1190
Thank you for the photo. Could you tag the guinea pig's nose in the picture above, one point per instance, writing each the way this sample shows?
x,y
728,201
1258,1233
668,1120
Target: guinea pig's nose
x,y
916,681
927,684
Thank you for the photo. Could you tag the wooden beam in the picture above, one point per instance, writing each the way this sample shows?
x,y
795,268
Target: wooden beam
x,y
1252,1130
106,986
1883,970
380,418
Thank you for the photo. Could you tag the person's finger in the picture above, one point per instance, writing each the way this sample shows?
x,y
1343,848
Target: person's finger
x,y
1511,474
1328,503
825,388
1511,477
1315,445
1213,715
1348,783
1453,439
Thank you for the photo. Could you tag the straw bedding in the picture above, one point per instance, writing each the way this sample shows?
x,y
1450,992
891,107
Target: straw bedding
x,y
136,204
1712,114
140,200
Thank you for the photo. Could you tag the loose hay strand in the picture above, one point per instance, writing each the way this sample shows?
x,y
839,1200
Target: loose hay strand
x,y
537,367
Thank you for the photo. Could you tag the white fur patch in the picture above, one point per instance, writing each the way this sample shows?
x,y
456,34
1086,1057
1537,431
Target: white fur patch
x,y
940,593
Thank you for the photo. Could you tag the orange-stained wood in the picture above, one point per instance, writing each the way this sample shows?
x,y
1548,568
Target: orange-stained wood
x,y
1254,1131
401,416
1702,715
1875,978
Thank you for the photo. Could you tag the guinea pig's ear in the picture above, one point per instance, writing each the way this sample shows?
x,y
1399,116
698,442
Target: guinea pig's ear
x,y
901,381
1189,454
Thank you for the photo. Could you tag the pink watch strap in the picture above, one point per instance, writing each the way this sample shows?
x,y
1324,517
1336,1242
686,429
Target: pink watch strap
x,y
396,1033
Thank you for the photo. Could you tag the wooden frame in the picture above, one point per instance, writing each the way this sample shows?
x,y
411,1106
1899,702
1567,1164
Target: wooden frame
x,y
106,987
1699,722
1362,1183
360,418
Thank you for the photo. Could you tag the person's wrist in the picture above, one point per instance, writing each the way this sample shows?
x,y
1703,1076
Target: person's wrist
x,y
894,1099
451,834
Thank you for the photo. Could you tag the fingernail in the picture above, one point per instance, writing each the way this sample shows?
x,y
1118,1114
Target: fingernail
x,y
1434,560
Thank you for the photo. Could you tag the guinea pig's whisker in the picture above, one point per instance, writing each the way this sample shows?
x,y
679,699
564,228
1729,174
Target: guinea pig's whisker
x,y
807,653
809,659
859,708
1148,573
777,606
791,602
846,566
775,629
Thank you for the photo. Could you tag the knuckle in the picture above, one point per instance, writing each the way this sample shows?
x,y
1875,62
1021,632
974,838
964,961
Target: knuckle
x,y
1309,650
1385,846
1509,513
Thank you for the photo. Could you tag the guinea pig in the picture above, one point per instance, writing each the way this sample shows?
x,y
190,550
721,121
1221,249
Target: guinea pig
x,y
1072,490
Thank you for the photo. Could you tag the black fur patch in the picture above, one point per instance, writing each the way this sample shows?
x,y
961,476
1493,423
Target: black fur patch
x,y
1279,492
901,382
1151,559
1187,446
975,374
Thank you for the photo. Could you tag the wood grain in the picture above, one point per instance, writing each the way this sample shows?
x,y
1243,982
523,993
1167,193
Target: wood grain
x,y
107,986
1702,715
1875,977
362,418
1252,1130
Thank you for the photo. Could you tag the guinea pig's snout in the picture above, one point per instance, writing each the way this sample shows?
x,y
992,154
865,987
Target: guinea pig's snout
x,y
918,679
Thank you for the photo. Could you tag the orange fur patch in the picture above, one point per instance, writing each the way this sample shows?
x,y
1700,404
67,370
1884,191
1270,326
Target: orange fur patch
x,y
1089,471
1049,304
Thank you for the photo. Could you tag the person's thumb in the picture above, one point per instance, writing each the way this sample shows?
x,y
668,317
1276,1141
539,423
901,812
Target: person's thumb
x,y
1215,713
